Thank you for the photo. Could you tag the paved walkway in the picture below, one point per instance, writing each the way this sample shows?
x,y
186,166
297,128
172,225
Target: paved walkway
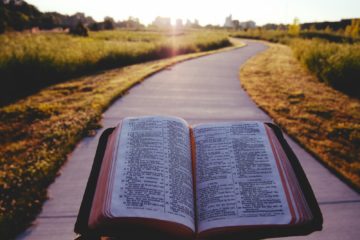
x,y
200,90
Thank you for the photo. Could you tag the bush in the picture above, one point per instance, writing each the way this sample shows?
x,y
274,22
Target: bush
x,y
334,63
330,56
79,30
276,36
331,37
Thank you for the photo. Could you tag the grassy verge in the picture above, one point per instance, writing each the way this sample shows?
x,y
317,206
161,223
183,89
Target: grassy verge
x,y
326,122
29,62
337,64
283,36
268,35
39,131
333,58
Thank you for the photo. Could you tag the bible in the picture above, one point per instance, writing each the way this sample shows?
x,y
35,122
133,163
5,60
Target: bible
x,y
157,176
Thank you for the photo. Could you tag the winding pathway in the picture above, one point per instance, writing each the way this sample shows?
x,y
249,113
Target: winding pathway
x,y
205,89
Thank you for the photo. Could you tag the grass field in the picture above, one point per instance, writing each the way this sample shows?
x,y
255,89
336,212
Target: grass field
x,y
325,121
283,36
268,35
29,62
333,58
38,132
337,64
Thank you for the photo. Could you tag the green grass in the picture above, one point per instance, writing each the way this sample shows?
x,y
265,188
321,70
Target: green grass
x,y
333,63
333,58
29,62
283,36
39,131
259,34
325,121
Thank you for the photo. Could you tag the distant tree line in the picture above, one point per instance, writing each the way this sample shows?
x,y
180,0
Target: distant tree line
x,y
17,15
335,26
109,23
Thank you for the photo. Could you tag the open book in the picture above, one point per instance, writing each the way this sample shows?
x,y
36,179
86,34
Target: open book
x,y
161,176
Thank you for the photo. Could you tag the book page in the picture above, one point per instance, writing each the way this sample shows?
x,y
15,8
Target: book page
x,y
153,174
237,179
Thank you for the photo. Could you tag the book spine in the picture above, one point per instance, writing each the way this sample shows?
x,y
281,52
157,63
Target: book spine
x,y
193,160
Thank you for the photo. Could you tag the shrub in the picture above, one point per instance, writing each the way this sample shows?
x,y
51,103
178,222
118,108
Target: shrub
x,y
277,36
79,30
331,37
334,63
330,56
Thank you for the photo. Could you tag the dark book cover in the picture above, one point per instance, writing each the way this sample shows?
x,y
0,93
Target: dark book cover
x,y
81,225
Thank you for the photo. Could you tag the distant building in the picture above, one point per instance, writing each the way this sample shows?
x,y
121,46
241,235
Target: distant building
x,y
188,23
247,25
196,23
162,22
179,23
228,22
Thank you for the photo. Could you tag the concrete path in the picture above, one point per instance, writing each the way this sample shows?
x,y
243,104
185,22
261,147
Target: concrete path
x,y
200,90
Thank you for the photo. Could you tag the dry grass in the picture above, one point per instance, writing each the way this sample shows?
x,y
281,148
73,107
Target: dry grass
x,y
332,57
38,132
29,62
337,64
326,122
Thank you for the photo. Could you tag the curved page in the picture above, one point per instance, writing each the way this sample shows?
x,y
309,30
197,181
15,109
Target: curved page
x,y
237,179
153,175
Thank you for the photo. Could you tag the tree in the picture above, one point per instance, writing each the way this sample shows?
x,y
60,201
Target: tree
x,y
3,17
19,21
48,21
95,26
79,30
18,15
328,29
353,30
132,22
294,29
2,27
312,28
109,23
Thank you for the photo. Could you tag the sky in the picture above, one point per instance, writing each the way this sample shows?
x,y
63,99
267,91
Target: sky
x,y
208,11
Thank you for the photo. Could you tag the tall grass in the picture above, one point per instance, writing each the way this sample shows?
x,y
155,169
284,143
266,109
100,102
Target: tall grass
x,y
39,131
333,58
326,122
268,35
283,36
333,63
29,62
